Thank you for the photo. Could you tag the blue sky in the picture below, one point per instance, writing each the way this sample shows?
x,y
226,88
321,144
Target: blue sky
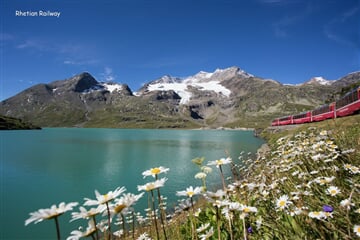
x,y
135,41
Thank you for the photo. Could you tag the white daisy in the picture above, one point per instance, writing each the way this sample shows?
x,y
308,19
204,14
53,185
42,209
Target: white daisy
x,y
155,171
203,227
357,230
220,162
85,214
76,234
189,192
50,213
283,202
207,234
346,203
152,185
102,199
317,215
333,190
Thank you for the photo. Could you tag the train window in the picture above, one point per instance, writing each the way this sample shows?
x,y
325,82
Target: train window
x,y
285,118
321,110
302,115
347,99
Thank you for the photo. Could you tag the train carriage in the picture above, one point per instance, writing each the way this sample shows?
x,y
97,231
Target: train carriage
x,y
349,104
324,112
286,120
304,117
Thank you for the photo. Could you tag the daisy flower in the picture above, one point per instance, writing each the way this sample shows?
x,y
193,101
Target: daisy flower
x,y
103,199
189,192
144,236
152,185
206,169
155,171
357,230
85,214
200,175
220,162
332,190
76,234
207,234
203,227
125,202
50,213
247,209
346,203
283,202
318,215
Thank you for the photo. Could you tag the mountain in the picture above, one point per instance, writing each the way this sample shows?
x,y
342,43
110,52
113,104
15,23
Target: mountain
x,y
319,81
226,97
9,123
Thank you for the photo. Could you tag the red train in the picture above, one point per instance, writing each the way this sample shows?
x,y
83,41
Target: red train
x,y
347,105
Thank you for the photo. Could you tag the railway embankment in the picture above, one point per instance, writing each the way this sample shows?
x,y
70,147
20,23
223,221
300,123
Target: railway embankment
x,y
341,128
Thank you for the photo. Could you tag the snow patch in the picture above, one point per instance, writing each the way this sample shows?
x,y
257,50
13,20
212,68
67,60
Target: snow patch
x,y
111,87
182,88
322,81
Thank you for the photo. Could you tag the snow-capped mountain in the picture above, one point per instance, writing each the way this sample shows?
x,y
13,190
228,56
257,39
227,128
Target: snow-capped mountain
x,y
202,81
225,97
320,81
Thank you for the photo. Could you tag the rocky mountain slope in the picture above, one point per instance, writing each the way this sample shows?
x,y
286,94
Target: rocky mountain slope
x,y
225,97
9,123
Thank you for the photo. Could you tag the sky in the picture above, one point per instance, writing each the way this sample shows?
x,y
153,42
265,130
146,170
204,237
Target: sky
x,y
136,41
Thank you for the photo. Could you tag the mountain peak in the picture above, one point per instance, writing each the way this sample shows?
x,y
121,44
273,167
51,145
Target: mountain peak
x,y
319,81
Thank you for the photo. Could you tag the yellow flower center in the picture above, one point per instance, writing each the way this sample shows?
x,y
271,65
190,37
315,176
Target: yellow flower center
x,y
219,162
347,166
316,213
190,193
155,170
247,210
119,208
150,186
105,197
282,203
357,230
333,191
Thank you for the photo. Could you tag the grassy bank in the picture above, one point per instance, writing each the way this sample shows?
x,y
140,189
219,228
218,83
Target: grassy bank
x,y
306,187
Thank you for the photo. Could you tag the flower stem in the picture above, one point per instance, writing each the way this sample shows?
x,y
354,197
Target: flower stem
x,y
133,224
109,220
222,178
161,213
96,230
123,225
154,212
217,222
57,227
244,226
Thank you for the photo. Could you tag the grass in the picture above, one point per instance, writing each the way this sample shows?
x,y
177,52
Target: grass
x,y
306,187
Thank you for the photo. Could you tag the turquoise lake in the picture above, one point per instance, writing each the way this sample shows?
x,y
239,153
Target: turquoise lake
x,y
44,167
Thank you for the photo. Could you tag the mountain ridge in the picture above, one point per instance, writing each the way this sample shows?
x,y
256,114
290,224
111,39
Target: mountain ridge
x,y
225,97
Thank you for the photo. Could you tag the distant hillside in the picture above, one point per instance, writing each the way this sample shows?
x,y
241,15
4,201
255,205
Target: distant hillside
x,y
9,123
226,97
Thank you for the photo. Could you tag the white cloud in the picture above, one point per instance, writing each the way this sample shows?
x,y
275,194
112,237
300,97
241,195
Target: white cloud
x,y
108,75
335,30
6,37
80,62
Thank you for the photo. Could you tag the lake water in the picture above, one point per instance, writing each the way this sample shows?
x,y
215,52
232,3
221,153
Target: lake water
x,y
41,168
